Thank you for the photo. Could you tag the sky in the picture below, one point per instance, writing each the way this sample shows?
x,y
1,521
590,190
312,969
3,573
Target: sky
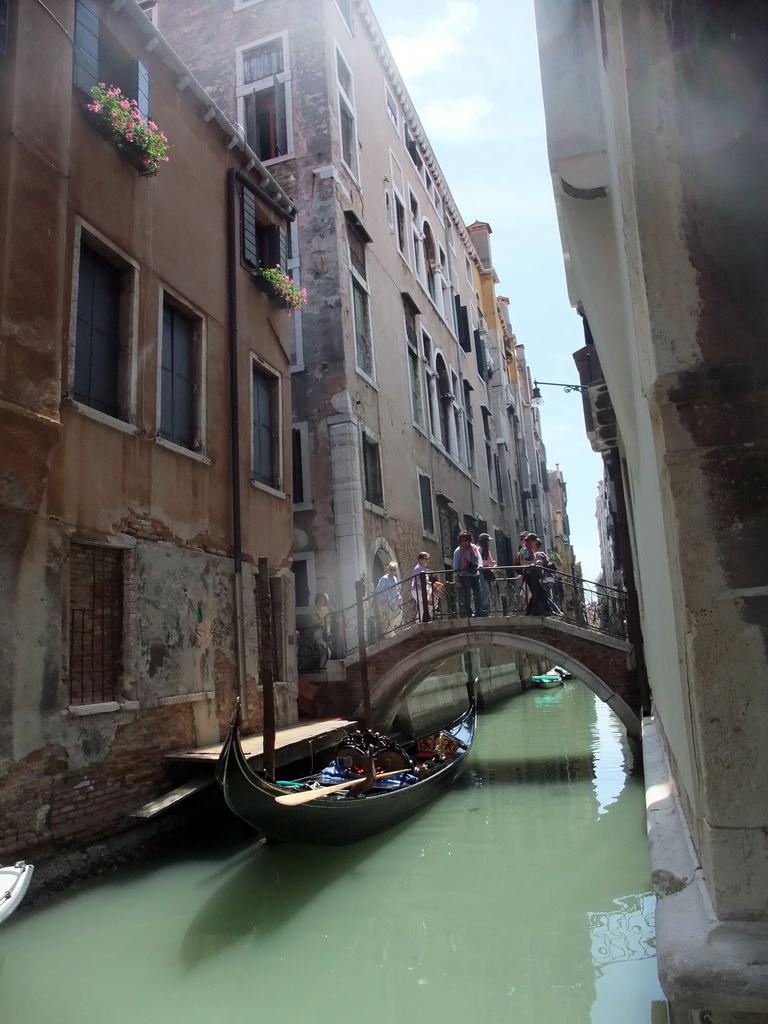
x,y
472,71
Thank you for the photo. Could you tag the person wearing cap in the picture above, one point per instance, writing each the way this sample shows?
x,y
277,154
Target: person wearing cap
x,y
388,600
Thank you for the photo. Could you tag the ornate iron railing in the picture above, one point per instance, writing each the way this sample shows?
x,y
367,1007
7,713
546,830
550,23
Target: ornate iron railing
x,y
432,596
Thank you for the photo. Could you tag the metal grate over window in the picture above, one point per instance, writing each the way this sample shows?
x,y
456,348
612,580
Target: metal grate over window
x,y
96,623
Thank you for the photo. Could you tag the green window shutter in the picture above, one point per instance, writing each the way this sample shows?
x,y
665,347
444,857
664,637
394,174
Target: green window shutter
x,y
250,232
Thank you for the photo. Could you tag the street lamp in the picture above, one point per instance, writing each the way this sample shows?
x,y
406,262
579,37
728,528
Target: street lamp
x,y
536,398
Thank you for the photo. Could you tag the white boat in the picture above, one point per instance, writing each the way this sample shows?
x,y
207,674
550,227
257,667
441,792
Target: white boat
x,y
14,882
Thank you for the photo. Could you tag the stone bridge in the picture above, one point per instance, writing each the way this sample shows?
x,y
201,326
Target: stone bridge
x,y
397,664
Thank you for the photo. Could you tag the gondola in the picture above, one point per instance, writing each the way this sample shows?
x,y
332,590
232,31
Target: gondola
x,y
371,785
14,882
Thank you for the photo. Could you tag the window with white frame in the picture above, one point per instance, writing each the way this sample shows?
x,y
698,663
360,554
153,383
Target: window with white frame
x,y
263,97
401,230
347,120
412,146
361,312
181,383
103,345
266,461
414,362
347,12
416,237
392,107
373,488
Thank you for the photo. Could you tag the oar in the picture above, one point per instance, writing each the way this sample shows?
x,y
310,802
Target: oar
x,y
307,795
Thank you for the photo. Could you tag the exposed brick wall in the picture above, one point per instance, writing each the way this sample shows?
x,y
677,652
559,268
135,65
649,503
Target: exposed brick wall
x,y
47,806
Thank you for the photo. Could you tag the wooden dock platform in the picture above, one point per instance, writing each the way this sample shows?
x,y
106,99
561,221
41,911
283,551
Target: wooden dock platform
x,y
291,744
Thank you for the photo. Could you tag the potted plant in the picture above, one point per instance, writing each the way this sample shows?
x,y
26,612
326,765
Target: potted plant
x,y
280,288
136,137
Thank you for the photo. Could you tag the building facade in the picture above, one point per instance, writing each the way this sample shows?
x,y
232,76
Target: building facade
x,y
146,427
656,118
399,442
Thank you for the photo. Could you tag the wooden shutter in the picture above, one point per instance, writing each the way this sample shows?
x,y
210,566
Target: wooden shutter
x,y
250,230
281,119
462,324
277,247
482,365
86,70
427,516
252,134
97,340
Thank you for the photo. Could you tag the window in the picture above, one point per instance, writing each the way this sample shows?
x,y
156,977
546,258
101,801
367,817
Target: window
x,y
480,354
414,364
264,244
347,12
360,301
301,492
469,424
372,481
445,403
425,495
179,377
101,353
411,146
493,476
462,322
304,581
95,623
100,58
402,244
449,527
265,427
263,98
346,114
392,107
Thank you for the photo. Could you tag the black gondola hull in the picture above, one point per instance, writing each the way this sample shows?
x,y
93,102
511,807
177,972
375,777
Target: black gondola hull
x,y
333,820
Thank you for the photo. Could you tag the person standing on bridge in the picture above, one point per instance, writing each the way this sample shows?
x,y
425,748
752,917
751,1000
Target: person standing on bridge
x,y
487,575
537,605
388,600
467,562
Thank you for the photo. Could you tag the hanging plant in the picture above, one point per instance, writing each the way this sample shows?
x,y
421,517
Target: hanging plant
x,y
280,288
134,135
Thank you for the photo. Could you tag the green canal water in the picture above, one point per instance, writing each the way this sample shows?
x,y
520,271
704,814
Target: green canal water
x,y
522,895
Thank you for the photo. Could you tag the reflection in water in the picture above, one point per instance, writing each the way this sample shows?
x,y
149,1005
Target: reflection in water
x,y
522,895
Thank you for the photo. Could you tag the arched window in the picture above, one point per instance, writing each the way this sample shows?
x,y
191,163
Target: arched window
x,y
430,261
444,400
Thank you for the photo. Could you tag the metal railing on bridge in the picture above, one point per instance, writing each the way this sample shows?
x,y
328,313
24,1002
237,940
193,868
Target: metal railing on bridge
x,y
433,596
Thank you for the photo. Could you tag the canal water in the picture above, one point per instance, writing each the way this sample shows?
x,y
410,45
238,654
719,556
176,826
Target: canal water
x,y
522,895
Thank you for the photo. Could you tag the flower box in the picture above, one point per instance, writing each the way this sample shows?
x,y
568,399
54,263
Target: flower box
x,y
138,140
279,288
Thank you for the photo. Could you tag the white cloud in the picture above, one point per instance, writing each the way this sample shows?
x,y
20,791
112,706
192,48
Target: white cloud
x,y
434,44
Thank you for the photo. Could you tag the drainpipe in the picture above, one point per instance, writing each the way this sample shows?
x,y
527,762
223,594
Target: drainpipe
x,y
233,177
234,426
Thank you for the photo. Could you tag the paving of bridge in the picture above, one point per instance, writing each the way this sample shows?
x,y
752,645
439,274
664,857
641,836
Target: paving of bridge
x,y
398,663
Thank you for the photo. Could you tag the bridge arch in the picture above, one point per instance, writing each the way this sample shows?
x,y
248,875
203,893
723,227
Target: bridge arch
x,y
403,674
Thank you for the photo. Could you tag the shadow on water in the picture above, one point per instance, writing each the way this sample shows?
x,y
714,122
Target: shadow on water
x,y
267,884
